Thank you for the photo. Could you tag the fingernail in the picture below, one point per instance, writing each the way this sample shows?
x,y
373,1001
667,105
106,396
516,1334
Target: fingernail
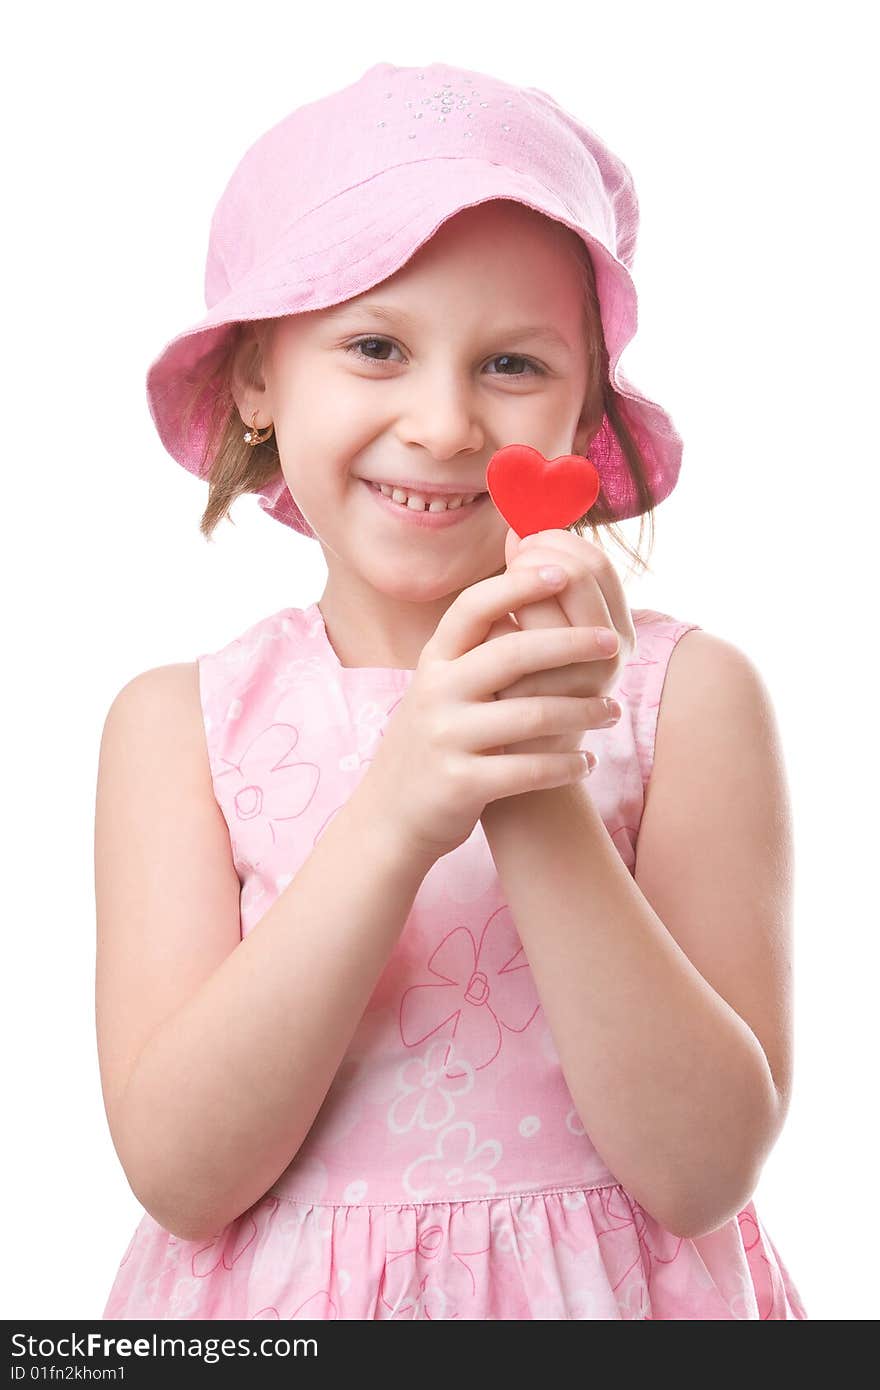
x,y
613,709
552,574
590,760
606,640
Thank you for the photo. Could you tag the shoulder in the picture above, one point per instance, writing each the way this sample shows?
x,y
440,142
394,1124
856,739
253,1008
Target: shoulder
x,y
177,682
153,762
718,791
161,701
715,724
707,680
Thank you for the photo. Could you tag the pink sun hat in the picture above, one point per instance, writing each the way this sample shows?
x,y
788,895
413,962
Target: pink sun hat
x,y
343,191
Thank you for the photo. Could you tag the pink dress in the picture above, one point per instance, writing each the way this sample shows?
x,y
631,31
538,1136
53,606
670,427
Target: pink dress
x,y
447,1174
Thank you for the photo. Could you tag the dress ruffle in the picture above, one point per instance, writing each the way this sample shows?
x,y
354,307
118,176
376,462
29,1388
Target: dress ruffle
x,y
576,1253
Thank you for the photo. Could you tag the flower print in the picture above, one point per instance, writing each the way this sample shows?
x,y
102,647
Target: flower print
x,y
575,1199
317,1305
583,1281
307,1220
429,1303
148,1289
655,1245
659,1246
579,1305
634,1302
515,1233
301,1185
742,1304
293,1235
297,673
548,1047
455,1165
184,1297
368,720
265,786
763,1289
444,1291
483,989
240,653
226,1248
427,1087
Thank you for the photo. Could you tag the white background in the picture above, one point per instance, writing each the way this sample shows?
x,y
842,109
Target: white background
x,y
750,136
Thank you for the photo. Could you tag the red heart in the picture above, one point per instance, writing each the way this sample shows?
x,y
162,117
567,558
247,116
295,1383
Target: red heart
x,y
537,494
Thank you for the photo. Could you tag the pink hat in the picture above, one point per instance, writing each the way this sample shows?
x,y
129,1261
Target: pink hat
x,y
343,191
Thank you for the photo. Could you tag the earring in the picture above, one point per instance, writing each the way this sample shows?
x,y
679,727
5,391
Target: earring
x,y
255,436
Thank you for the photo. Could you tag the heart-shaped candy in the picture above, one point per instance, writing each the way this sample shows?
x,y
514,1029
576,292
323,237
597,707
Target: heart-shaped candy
x,y
533,493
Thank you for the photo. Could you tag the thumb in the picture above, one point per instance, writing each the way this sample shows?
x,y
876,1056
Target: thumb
x,y
511,545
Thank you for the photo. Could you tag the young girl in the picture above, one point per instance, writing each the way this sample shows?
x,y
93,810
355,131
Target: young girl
x,y
402,1014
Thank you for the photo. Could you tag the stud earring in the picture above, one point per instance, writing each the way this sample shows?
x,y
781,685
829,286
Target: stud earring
x,y
255,436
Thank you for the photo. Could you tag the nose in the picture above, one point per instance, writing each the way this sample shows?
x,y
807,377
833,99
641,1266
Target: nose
x,y
439,415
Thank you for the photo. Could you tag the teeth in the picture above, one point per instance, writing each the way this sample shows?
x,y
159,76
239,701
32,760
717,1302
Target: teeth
x,y
417,503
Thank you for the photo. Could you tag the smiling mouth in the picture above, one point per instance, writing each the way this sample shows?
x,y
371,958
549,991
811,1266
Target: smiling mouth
x,y
423,502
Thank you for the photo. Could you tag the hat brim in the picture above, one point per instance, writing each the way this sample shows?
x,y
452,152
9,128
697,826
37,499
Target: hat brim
x,y
385,220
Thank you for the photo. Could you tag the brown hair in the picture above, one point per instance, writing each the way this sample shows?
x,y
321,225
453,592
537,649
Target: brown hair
x,y
239,467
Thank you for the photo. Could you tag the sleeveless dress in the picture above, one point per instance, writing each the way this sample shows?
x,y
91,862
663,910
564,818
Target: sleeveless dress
x,y
447,1173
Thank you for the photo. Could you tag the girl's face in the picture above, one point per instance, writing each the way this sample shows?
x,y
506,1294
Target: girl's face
x,y
480,343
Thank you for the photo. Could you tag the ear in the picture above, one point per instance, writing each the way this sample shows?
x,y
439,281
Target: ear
x,y
247,382
584,435
587,429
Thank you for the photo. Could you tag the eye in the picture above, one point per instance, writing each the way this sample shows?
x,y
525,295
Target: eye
x,y
357,347
514,357
359,343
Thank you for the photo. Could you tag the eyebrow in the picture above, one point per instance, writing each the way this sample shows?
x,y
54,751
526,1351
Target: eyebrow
x,y
542,331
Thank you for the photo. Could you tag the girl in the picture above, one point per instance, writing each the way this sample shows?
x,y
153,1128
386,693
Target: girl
x,y
406,1008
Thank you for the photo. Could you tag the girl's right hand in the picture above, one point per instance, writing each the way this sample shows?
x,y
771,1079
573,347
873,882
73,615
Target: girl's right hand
x,y
443,754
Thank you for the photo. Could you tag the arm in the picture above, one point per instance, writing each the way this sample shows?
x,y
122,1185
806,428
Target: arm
x,y
224,1090
671,1082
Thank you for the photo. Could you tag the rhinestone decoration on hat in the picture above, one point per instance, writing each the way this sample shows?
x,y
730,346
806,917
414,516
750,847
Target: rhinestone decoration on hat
x,y
446,102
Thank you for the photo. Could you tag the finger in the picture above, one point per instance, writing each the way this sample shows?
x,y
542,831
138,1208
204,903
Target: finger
x,y
500,626
581,603
583,551
571,680
510,774
508,722
494,666
511,542
544,612
468,620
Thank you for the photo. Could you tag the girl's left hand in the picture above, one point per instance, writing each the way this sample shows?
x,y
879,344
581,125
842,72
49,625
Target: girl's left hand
x,y
593,597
